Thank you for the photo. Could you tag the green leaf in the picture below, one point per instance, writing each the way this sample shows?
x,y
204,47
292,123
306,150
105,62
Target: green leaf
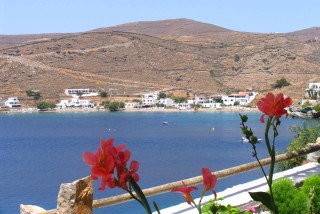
x,y
264,198
140,195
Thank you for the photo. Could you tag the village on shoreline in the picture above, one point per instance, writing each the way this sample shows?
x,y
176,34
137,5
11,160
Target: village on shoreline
x,y
84,100
88,100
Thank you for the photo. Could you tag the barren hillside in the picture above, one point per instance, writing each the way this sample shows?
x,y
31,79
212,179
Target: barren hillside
x,y
137,57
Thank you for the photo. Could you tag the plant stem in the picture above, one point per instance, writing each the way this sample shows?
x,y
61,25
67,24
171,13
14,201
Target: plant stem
x,y
271,151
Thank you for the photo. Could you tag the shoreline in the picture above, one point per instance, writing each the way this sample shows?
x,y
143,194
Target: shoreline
x,y
88,110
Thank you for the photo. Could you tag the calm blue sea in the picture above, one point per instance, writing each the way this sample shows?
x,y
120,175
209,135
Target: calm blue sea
x,y
40,151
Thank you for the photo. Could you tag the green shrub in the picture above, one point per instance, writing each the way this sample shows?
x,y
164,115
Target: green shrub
x,y
45,105
316,108
179,99
35,94
306,104
116,106
280,83
299,203
103,94
303,135
213,207
284,193
105,104
311,187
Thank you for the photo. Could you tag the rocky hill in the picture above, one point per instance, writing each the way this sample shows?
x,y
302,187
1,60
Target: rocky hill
x,y
147,56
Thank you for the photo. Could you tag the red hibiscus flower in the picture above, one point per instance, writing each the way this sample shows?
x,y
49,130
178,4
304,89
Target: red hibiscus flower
x,y
274,106
102,166
209,181
126,174
186,192
106,160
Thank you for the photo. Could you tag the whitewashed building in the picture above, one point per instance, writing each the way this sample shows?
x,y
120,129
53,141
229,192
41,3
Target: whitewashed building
x,y
131,104
197,99
313,90
84,92
168,102
181,105
13,102
243,98
149,99
75,102
211,105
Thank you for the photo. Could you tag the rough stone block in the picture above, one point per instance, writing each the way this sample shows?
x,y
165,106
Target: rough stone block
x,y
31,209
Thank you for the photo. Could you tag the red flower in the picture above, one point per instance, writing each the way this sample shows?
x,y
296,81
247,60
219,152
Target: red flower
x,y
106,160
209,181
185,191
126,174
102,165
274,106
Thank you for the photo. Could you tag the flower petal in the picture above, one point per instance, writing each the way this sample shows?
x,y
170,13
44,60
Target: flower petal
x,y
89,158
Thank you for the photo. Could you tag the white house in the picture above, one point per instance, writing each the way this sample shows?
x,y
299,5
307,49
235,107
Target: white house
x,y
313,90
214,98
75,102
85,92
166,101
12,102
181,105
211,105
63,104
243,98
131,104
149,99
197,99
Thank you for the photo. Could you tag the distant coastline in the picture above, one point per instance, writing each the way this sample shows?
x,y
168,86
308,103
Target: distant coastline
x,y
70,110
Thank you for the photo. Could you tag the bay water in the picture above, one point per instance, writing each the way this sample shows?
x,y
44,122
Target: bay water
x,y
39,151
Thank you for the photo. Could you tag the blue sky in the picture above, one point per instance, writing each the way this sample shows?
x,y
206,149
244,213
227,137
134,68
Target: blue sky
x,y
60,16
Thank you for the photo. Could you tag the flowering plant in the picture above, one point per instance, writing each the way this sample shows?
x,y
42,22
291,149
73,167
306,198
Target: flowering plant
x,y
273,107
110,163
209,182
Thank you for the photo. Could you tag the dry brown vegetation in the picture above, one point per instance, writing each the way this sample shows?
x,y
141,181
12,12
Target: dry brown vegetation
x,y
148,56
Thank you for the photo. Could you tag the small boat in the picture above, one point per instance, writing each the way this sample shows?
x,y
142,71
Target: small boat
x,y
165,123
245,140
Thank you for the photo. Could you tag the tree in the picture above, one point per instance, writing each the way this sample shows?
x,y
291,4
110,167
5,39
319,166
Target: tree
x,y
116,106
34,94
280,83
103,94
162,95
105,104
45,105
179,99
